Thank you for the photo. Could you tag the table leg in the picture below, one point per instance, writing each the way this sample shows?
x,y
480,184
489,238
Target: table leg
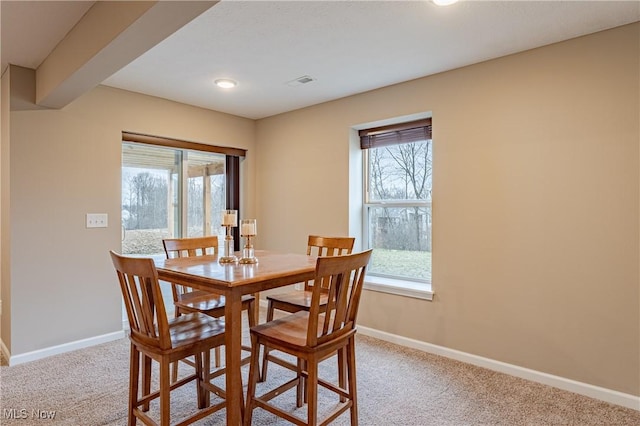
x,y
233,355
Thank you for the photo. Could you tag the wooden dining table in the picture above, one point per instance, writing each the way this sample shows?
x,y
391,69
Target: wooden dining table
x,y
234,280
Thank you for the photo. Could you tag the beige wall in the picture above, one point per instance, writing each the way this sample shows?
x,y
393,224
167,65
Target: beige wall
x,y
64,164
536,192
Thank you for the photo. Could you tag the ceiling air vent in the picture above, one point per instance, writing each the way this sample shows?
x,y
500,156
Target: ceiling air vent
x,y
300,80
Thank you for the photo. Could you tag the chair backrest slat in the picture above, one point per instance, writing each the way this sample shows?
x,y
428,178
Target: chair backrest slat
x,y
354,303
143,300
341,279
342,300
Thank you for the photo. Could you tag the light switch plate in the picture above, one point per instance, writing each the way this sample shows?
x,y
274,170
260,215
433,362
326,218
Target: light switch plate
x,y
97,220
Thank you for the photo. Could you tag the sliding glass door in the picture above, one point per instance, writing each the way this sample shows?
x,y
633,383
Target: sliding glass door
x,y
169,193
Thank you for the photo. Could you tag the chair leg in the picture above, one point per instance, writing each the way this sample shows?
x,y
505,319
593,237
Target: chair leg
x,y
303,382
174,366
174,371
312,391
341,371
165,384
301,397
217,357
254,368
202,375
351,370
146,379
265,354
134,377
254,312
206,360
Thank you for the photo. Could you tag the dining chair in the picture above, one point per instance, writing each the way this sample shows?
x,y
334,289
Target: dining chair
x,y
300,300
188,300
313,336
154,337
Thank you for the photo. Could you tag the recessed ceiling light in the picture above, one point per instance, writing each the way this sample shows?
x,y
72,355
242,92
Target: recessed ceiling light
x,y
444,2
226,83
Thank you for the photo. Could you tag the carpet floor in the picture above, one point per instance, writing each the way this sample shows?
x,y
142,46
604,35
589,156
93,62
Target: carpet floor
x,y
396,386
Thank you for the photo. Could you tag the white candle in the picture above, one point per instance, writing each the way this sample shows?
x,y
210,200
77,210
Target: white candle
x,y
229,219
248,229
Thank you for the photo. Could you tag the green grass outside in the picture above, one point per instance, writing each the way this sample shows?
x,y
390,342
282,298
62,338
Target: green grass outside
x,y
414,264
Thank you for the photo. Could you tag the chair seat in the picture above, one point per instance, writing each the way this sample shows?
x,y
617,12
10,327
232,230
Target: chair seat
x,y
288,332
193,328
205,302
300,299
290,329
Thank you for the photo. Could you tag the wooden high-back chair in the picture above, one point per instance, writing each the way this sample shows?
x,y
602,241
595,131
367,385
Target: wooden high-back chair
x,y
313,336
155,337
187,300
187,247
300,300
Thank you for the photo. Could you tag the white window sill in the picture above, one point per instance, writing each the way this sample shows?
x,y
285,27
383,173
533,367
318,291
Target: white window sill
x,y
399,287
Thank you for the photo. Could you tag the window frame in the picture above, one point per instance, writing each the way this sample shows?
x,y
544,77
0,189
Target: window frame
x,y
232,168
404,286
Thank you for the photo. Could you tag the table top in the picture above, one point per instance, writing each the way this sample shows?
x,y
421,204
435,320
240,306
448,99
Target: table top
x,y
272,267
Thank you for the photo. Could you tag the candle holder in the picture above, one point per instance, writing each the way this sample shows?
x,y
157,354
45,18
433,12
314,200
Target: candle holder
x,y
229,220
248,230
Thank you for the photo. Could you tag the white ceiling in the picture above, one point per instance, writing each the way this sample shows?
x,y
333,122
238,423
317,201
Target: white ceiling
x,y
347,47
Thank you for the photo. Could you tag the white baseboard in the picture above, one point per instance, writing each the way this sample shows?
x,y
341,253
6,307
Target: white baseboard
x,y
603,394
59,349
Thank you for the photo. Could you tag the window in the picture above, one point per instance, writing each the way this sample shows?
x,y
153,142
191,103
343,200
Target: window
x,y
397,203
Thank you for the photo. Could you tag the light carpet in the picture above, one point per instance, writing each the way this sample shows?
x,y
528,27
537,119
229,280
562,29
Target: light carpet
x,y
396,386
